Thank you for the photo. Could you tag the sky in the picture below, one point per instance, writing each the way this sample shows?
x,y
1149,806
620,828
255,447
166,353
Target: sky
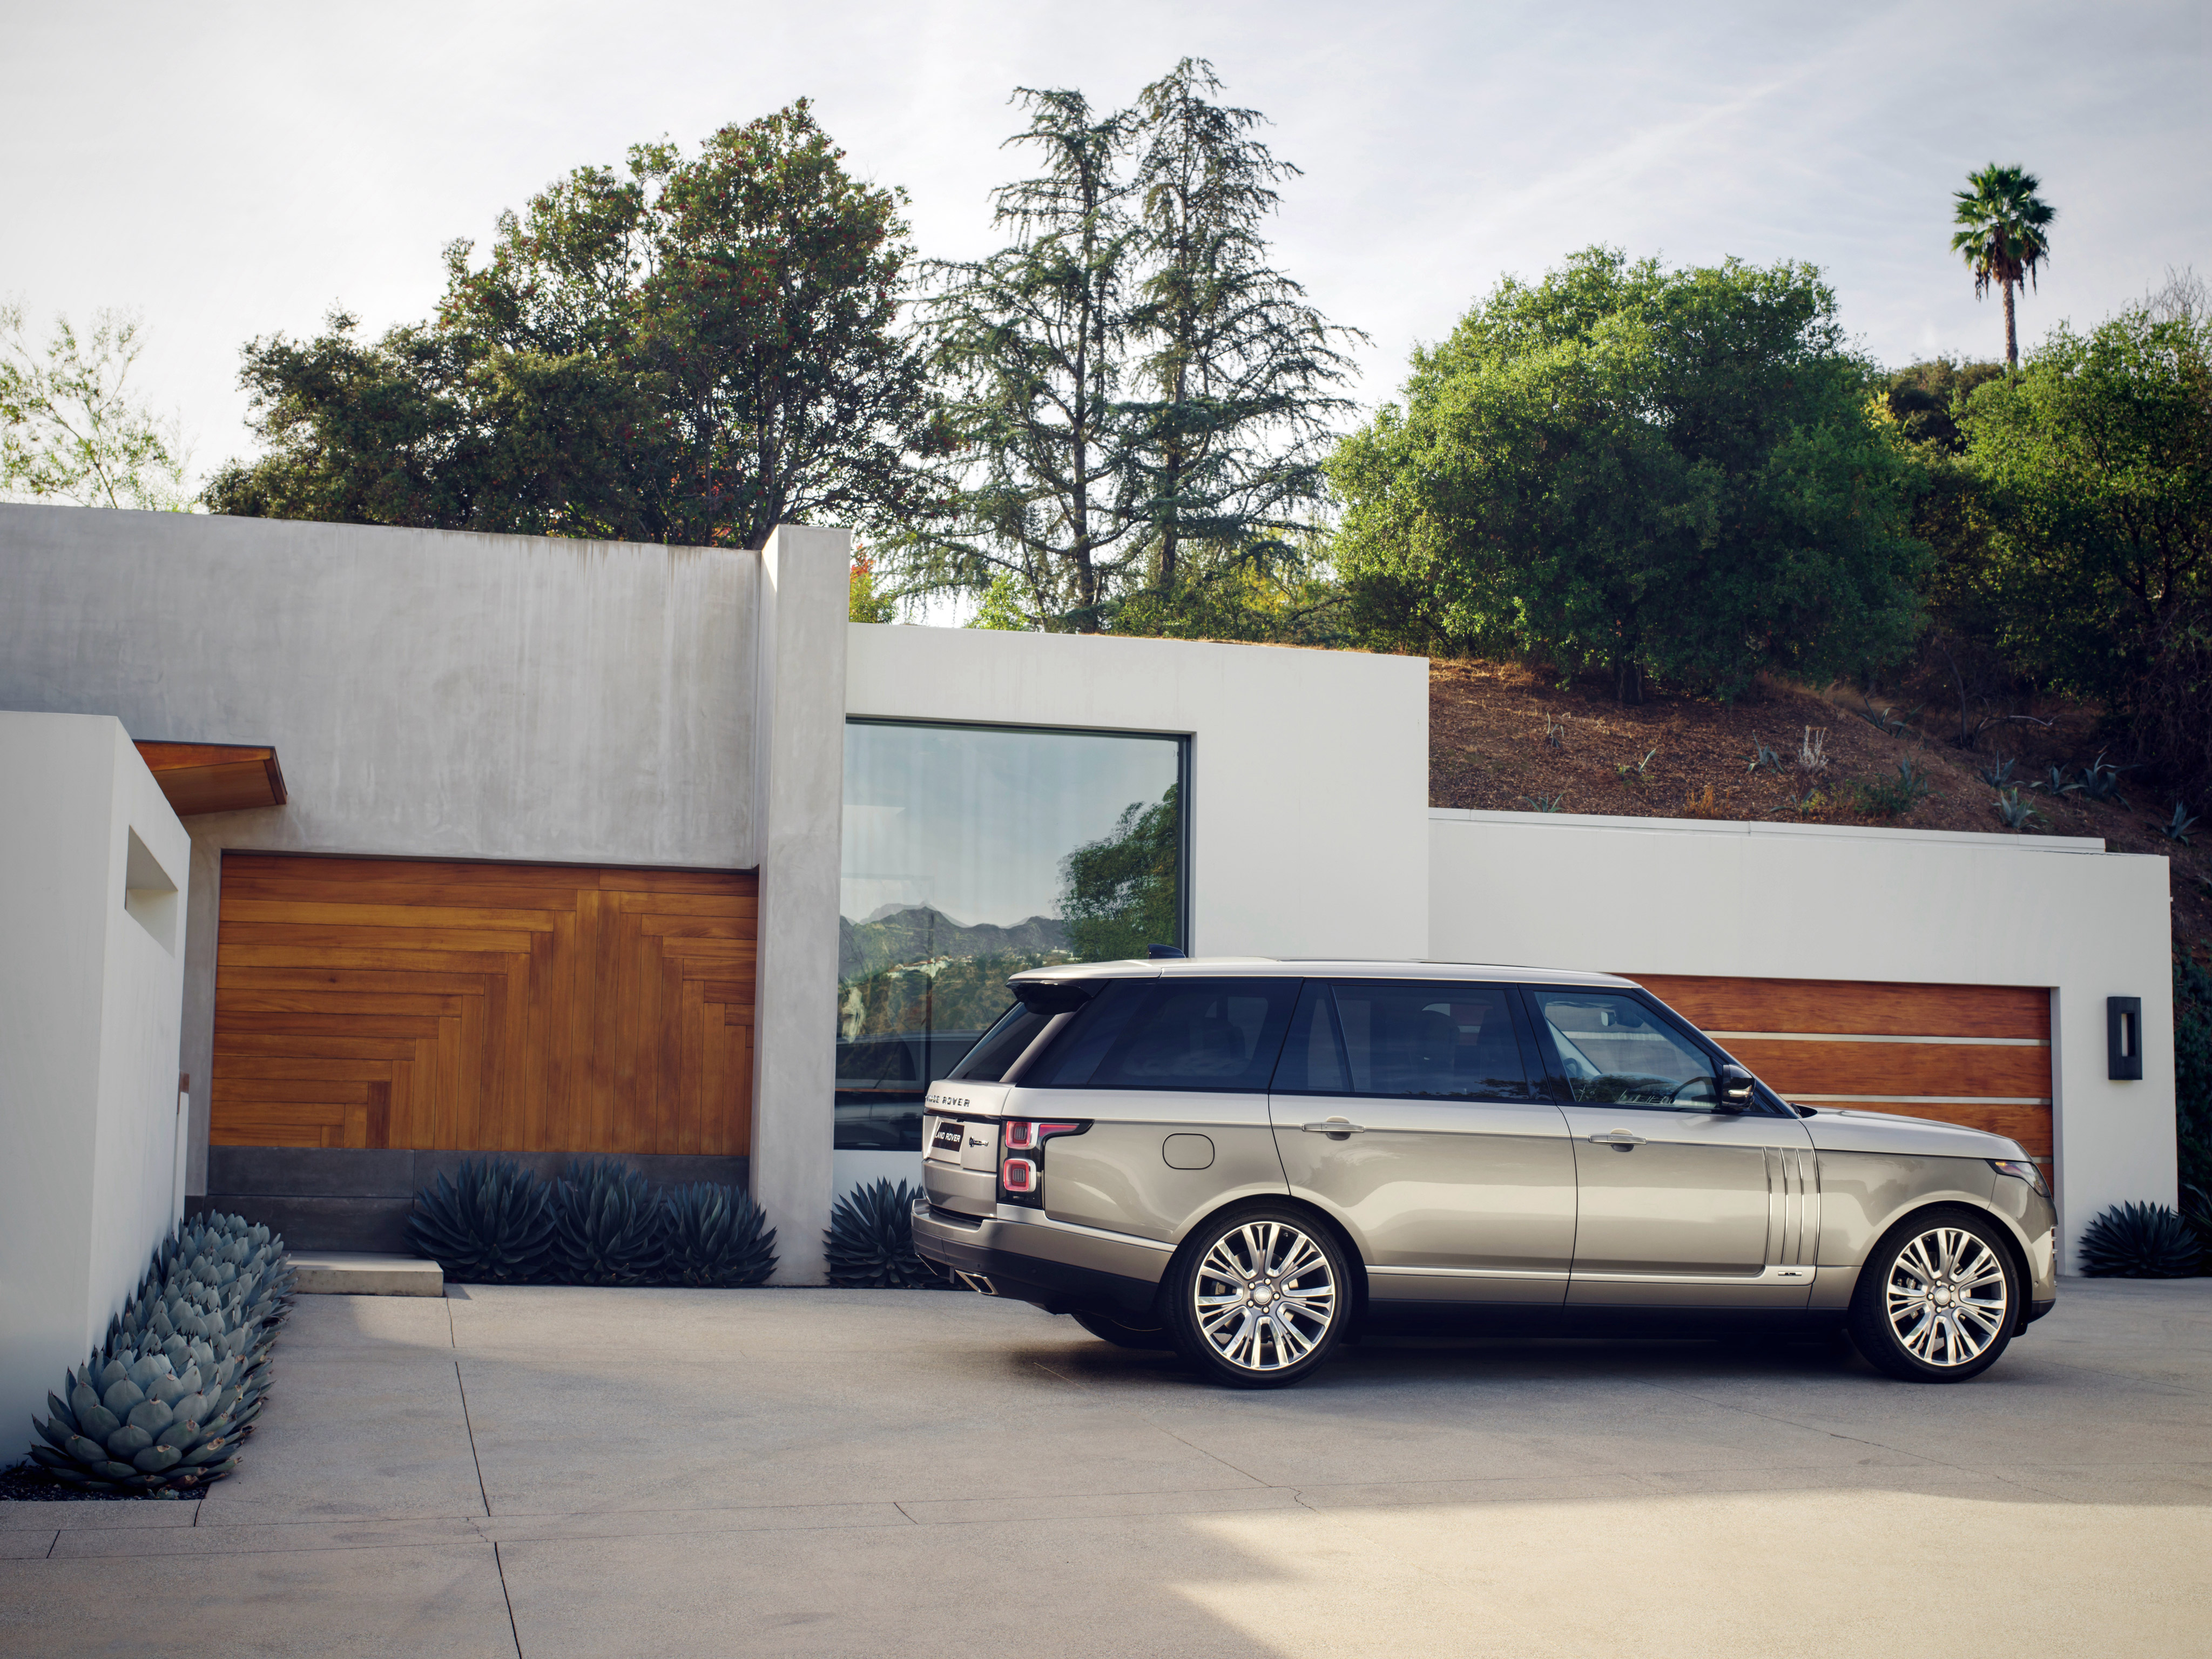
x,y
236,171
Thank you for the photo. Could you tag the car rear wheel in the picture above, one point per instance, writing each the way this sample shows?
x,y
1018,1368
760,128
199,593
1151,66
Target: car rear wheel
x,y
1125,1333
1259,1297
1938,1298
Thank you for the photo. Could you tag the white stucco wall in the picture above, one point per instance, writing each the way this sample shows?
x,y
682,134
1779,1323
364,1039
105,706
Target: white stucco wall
x,y
429,694
1661,895
91,984
1310,769
800,659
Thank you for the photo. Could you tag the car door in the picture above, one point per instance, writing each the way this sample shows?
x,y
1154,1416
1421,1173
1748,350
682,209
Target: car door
x,y
1680,1203
1407,1110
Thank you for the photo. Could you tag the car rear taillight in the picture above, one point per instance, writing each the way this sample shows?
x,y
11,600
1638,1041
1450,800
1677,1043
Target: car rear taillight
x,y
1021,1157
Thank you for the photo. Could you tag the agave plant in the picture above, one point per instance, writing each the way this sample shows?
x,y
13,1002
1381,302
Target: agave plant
x,y
1998,773
2014,812
165,1403
870,1241
2141,1241
492,1224
2055,782
2100,782
717,1238
2178,826
607,1229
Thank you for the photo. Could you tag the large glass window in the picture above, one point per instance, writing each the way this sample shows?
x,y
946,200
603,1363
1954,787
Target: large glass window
x,y
970,854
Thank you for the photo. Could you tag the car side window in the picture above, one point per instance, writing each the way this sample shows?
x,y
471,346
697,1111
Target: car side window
x,y
1408,1041
1615,1051
1221,1036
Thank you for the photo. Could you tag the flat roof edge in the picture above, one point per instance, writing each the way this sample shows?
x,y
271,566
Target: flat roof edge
x,y
2075,845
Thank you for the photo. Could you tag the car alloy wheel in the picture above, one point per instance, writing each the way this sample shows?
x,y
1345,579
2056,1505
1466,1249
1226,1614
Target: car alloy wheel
x,y
1936,1301
1261,1301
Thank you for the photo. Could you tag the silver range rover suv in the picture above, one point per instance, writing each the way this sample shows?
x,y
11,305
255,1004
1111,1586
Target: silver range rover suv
x,y
1247,1161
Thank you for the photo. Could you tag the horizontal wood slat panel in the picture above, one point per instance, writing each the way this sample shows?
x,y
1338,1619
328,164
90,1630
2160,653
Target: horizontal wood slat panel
x,y
1885,1071
381,1002
1895,1068
1846,1007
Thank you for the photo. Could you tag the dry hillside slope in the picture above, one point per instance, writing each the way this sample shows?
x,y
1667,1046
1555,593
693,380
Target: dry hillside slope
x,y
1501,739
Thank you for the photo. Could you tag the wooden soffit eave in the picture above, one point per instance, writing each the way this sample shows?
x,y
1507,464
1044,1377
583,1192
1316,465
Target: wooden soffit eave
x,y
215,777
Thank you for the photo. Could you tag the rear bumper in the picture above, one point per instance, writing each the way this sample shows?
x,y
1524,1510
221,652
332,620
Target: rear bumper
x,y
1062,1269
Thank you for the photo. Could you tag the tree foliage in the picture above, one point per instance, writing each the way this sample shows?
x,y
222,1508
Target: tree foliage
x,y
2095,462
1679,474
1119,894
2003,234
1137,396
70,427
693,351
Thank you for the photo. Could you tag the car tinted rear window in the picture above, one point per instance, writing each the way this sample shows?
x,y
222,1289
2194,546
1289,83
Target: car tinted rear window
x,y
1221,1036
1446,1041
1000,1047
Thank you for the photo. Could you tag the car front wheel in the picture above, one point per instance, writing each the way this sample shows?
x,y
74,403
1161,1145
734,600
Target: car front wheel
x,y
1260,1298
1938,1299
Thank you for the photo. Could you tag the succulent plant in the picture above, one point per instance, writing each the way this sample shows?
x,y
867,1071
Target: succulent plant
x,y
1998,773
164,1402
607,1228
2101,782
870,1242
2141,1241
492,1224
717,1238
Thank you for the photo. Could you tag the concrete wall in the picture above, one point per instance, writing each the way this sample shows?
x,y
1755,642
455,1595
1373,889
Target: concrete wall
x,y
1310,769
93,885
1661,896
800,659
429,694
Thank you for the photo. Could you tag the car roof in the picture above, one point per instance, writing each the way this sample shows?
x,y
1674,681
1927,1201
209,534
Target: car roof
x,y
1328,968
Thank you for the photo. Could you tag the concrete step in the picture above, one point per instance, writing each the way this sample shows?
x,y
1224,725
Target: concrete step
x,y
340,1272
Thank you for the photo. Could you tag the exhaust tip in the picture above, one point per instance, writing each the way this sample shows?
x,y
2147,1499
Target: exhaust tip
x,y
974,1282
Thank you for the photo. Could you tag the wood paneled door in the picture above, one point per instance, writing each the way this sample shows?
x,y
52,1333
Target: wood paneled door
x,y
1976,1055
402,1003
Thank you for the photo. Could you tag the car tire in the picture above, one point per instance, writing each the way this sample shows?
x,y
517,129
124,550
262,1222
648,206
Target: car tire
x,y
1259,1297
1939,1297
1127,1333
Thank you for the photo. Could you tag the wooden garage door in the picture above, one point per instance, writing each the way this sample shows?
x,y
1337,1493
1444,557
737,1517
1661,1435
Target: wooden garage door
x,y
1978,1055
387,1002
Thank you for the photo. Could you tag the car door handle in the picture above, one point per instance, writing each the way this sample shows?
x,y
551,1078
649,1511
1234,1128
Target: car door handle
x,y
1336,1125
1619,1138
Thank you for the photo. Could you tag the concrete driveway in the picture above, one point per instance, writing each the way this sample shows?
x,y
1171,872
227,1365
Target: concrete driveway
x,y
594,1472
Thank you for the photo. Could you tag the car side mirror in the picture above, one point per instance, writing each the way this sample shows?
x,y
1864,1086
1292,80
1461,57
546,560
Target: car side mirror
x,y
1735,1089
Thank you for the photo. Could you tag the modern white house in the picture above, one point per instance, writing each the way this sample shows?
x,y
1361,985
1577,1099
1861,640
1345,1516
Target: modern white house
x,y
549,847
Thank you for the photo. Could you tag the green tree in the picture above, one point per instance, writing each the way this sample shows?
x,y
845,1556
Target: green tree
x,y
1119,893
694,351
71,430
1032,343
2003,234
1138,398
1681,474
864,603
2096,459
1231,392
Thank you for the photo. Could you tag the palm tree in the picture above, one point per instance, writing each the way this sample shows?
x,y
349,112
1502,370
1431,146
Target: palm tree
x,y
2003,234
